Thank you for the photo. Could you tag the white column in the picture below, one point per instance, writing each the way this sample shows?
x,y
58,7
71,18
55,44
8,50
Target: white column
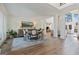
x,y
62,27
4,26
73,22
55,26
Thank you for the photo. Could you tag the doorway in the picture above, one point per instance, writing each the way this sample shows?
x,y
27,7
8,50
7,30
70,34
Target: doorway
x,y
49,27
71,23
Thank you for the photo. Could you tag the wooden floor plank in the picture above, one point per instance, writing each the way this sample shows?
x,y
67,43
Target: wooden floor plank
x,y
53,46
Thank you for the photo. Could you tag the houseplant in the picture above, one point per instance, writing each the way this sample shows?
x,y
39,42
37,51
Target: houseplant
x,y
58,33
12,34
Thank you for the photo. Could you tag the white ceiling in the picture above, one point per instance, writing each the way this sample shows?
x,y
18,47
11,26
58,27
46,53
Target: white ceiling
x,y
57,5
34,9
31,9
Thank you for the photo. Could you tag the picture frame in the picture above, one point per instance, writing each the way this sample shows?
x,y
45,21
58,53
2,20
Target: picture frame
x,y
26,24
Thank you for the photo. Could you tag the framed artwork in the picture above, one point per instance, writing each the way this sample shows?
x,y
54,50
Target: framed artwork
x,y
26,24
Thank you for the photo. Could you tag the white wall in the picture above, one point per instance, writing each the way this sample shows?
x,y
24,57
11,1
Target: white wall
x,y
15,22
3,22
50,21
2,26
62,26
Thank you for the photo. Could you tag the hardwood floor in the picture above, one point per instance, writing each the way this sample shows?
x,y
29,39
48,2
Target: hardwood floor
x,y
53,46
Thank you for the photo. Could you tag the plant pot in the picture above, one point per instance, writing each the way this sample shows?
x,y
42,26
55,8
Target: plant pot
x,y
58,35
9,37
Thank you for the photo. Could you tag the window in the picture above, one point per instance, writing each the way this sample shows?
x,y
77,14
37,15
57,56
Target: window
x,y
68,17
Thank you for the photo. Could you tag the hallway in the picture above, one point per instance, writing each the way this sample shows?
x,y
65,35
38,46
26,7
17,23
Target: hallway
x,y
53,46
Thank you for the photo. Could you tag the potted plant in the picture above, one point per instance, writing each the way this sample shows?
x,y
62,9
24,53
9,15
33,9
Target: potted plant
x,y
58,33
11,34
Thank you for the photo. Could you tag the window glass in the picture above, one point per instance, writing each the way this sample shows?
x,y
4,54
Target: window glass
x,y
68,17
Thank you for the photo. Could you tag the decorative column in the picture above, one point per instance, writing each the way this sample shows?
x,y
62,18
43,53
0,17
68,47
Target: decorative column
x,y
73,23
56,26
62,27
